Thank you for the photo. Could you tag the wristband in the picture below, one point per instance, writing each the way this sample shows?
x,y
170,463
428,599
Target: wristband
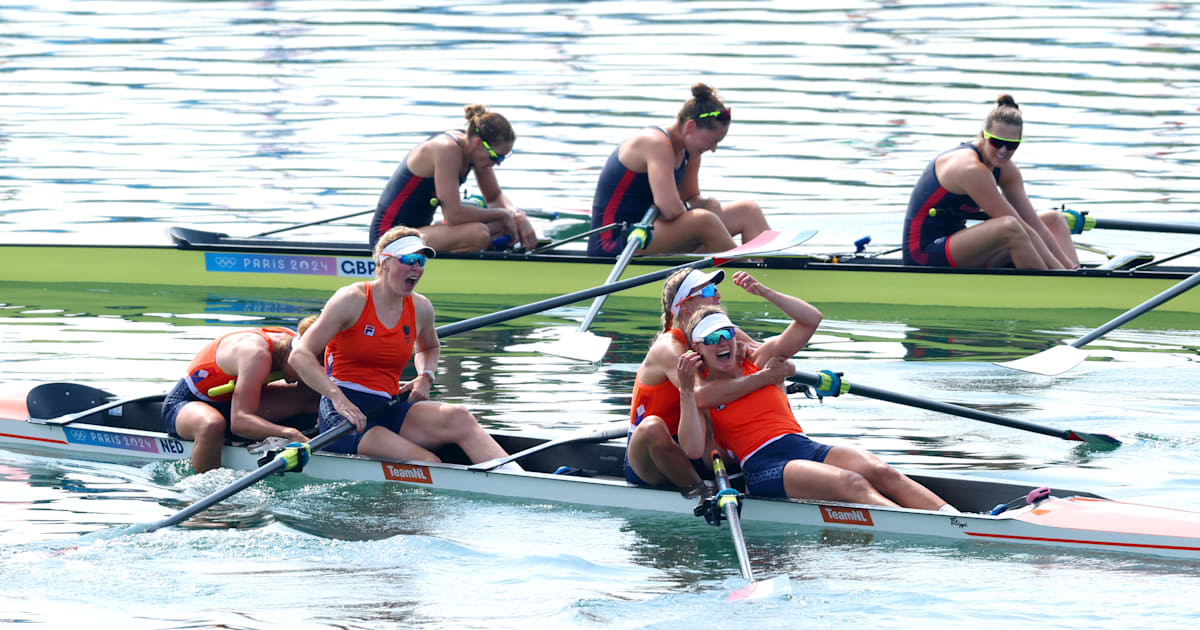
x,y
431,374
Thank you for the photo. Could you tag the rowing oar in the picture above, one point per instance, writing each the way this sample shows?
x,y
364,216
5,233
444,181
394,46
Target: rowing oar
x,y
586,346
64,403
827,383
1080,221
1063,357
613,431
728,504
533,212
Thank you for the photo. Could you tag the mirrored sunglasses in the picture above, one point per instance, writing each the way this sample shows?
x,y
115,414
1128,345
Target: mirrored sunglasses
x,y
717,337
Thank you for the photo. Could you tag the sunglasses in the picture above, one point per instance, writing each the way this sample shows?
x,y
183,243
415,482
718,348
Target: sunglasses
x,y
708,291
723,115
714,338
410,259
492,155
1002,143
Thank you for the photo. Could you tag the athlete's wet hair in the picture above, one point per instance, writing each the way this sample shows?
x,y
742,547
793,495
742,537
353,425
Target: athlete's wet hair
x,y
492,127
670,288
705,107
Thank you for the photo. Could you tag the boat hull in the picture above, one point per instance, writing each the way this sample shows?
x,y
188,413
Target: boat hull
x,y
204,259
1068,519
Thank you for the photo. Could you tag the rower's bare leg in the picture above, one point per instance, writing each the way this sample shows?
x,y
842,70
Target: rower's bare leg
x,y
464,237
696,230
205,427
431,424
745,218
978,244
804,479
382,442
1056,222
887,480
657,459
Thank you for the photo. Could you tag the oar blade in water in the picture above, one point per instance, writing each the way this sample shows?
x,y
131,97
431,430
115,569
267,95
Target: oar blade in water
x,y
580,345
778,586
1052,362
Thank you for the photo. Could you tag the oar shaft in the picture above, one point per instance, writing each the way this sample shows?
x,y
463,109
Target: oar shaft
x,y
272,467
635,243
1138,310
729,505
312,223
1142,226
562,300
933,405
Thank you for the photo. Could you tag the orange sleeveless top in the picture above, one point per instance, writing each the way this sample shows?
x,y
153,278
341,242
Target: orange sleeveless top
x,y
203,373
748,423
660,400
369,357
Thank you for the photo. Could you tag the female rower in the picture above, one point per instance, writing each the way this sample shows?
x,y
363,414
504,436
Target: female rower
x,y
205,409
653,456
661,166
961,184
759,429
429,176
368,331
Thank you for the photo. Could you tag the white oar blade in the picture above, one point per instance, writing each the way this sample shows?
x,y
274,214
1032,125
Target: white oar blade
x,y
778,586
579,345
1050,362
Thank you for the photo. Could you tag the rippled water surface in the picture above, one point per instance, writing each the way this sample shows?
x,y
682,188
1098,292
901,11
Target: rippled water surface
x,y
119,119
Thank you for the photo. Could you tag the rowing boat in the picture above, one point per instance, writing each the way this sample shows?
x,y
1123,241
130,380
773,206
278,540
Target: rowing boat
x,y
129,433
197,258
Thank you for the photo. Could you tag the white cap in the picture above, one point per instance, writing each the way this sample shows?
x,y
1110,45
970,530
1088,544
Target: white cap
x,y
405,245
693,281
710,324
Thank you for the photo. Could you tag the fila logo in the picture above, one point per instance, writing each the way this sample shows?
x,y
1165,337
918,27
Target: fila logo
x,y
369,330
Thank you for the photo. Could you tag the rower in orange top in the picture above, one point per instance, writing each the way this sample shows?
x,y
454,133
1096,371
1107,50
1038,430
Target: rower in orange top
x,y
369,331
203,406
653,456
777,458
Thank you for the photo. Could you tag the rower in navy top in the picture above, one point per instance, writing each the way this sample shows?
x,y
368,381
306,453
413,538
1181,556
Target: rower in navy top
x,y
660,166
961,184
429,176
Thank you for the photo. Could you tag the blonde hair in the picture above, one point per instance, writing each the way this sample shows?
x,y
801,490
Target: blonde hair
x,y
704,100
490,126
304,324
670,288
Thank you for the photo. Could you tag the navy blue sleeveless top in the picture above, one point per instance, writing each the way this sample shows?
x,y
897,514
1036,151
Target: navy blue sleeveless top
x,y
408,199
952,210
621,196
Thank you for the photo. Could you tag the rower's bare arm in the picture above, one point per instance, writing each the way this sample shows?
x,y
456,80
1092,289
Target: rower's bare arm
x,y
1012,184
693,425
340,312
660,168
426,350
689,184
805,319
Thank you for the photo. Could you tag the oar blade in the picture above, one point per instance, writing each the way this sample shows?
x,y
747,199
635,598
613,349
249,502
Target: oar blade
x,y
580,345
51,400
768,242
778,586
1052,362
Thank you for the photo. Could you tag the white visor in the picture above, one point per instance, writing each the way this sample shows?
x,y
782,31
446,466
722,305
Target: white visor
x,y
405,245
693,281
709,325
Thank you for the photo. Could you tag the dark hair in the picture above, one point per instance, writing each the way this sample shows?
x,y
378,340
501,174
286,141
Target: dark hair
x,y
704,101
1006,111
490,126
701,313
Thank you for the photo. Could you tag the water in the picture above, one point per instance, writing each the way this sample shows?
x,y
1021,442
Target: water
x,y
123,118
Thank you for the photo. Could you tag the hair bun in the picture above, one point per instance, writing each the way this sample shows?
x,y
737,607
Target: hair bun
x,y
1006,100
